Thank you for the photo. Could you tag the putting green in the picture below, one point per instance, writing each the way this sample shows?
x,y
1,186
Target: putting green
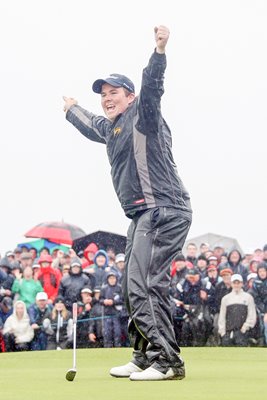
x,y
212,373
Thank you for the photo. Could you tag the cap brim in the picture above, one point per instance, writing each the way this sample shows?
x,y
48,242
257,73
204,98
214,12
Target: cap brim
x,y
97,85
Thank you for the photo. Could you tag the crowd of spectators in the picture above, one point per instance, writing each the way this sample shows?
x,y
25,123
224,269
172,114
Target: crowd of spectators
x,y
217,298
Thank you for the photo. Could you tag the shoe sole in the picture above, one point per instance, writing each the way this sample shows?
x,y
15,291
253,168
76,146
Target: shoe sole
x,y
119,376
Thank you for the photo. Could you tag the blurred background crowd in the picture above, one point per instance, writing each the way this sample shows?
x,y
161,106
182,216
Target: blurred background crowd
x,y
218,298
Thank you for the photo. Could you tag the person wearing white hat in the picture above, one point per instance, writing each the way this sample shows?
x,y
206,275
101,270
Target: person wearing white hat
x,y
38,313
237,315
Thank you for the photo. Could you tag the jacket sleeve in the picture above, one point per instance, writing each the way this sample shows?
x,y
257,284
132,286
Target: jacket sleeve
x,y
16,286
152,89
32,314
251,316
222,318
93,127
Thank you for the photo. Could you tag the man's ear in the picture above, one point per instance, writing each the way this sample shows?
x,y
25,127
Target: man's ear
x,y
131,98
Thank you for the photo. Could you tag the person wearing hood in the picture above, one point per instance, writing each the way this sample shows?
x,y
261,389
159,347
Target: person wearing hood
x,y
72,284
234,263
111,299
17,331
89,255
6,278
99,268
49,277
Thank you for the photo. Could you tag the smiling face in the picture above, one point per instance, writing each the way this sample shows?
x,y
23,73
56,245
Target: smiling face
x,y
115,100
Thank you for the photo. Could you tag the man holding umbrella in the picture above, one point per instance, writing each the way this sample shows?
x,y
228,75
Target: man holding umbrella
x,y
152,194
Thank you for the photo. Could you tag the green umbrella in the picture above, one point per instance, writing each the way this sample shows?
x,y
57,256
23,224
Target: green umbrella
x,y
40,243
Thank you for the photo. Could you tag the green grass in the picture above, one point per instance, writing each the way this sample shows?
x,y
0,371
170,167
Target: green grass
x,y
212,374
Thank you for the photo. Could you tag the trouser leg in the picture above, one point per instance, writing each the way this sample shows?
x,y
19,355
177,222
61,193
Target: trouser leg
x,y
117,331
240,339
138,341
108,331
156,237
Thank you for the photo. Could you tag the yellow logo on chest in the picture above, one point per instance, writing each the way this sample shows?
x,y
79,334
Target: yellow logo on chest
x,y
116,131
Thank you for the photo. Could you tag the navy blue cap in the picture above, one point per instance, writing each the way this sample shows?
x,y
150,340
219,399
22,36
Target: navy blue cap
x,y
115,80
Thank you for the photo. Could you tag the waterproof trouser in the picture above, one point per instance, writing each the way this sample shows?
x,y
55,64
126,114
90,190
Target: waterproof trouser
x,y
154,238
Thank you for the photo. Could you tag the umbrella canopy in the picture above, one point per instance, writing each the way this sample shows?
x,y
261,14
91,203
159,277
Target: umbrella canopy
x,y
103,240
228,243
57,232
40,243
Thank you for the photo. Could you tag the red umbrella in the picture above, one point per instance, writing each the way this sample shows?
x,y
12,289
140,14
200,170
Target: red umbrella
x,y
57,232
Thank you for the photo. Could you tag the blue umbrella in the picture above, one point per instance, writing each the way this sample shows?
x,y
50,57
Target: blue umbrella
x,y
40,243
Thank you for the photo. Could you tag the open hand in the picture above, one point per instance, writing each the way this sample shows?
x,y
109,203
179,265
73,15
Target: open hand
x,y
69,101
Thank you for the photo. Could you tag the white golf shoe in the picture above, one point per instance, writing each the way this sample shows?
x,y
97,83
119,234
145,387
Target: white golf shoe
x,y
152,374
124,371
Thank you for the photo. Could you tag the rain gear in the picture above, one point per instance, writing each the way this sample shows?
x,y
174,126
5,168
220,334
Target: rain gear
x,y
145,178
20,328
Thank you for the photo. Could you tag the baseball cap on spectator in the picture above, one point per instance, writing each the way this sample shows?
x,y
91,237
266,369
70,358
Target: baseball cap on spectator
x,y
25,256
10,253
35,263
76,262
115,80
45,258
179,257
212,258
192,272
41,296
252,275
86,290
236,277
59,299
16,265
226,271
120,257
17,250
212,268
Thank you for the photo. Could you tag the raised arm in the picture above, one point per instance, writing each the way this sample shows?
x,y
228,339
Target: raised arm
x,y
162,34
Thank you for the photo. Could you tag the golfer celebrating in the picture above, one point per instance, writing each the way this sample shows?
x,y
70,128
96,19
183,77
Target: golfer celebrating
x,y
152,194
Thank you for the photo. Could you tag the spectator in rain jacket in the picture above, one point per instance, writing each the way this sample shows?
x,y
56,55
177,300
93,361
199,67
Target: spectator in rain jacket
x,y
71,285
40,313
237,315
234,263
17,331
96,325
89,255
259,293
61,326
6,278
111,299
191,299
100,265
84,315
49,277
26,287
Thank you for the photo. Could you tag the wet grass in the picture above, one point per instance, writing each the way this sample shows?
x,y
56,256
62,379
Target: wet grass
x,y
212,373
